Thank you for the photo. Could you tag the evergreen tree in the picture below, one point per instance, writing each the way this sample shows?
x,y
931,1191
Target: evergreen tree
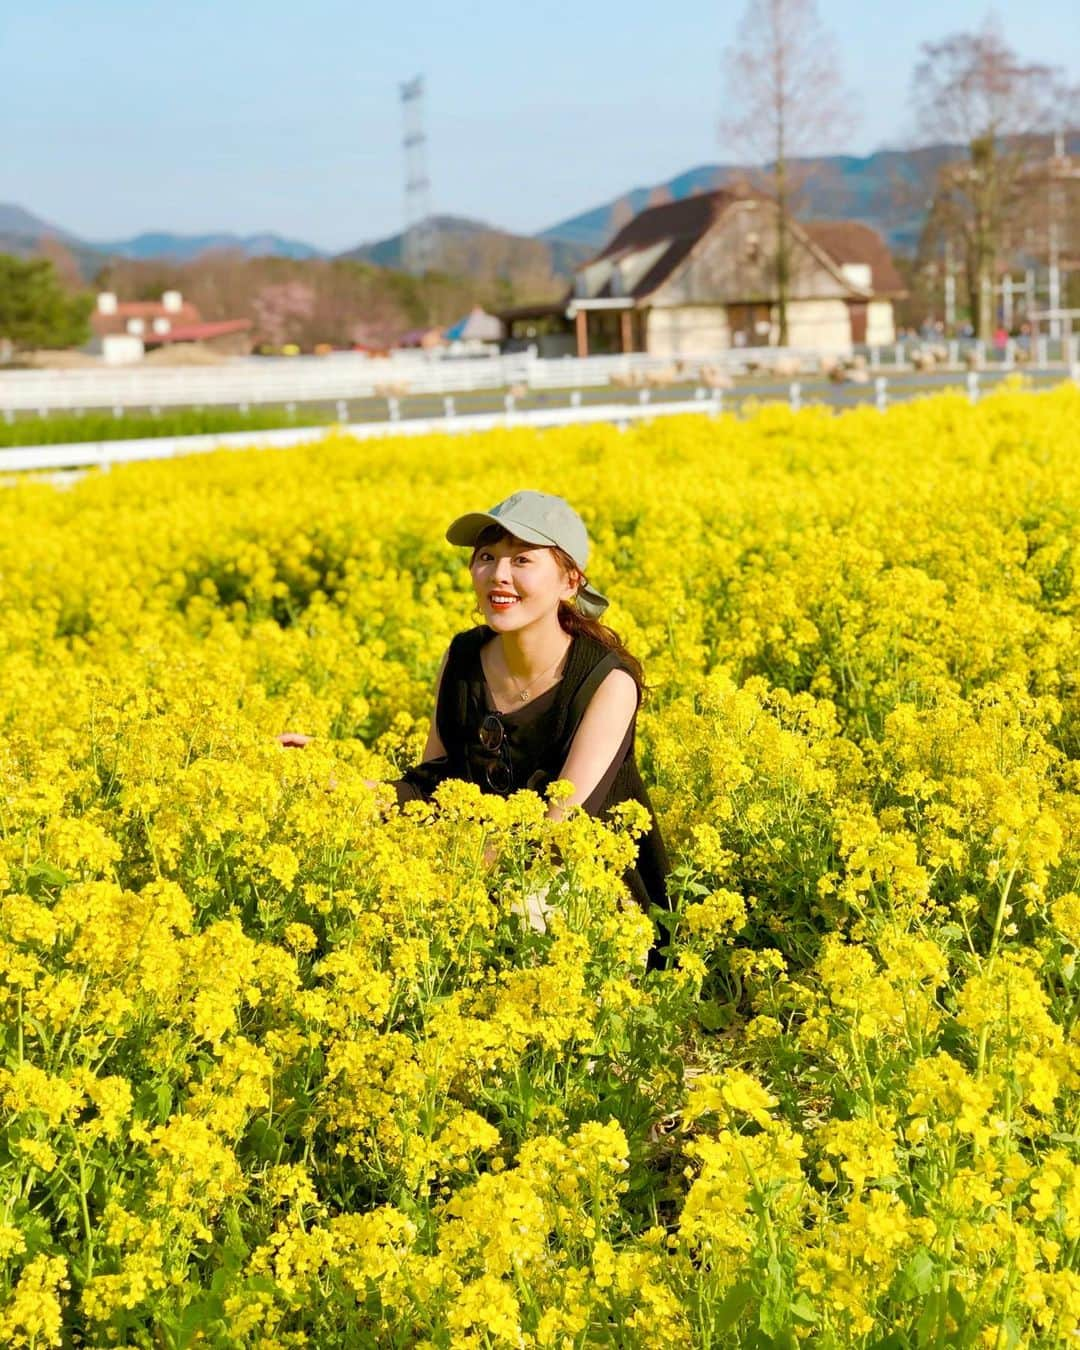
x,y
35,311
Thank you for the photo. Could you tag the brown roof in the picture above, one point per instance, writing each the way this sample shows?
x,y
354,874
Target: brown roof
x,y
682,222
850,241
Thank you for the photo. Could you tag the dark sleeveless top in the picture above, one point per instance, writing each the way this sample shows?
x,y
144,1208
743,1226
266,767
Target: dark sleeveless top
x,y
537,742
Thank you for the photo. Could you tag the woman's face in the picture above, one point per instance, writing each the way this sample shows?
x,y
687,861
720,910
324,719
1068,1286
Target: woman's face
x,y
518,583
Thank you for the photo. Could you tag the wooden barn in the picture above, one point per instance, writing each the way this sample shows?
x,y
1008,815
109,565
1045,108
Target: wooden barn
x,y
695,276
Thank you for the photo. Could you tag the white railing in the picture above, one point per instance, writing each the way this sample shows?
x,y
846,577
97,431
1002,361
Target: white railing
x,y
103,454
345,376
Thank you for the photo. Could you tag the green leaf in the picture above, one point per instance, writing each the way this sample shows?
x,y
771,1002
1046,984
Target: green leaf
x,y
265,1140
236,1249
1011,1328
772,1315
196,1317
734,1305
803,1310
35,1231
918,1276
163,1101
714,1016
42,874
926,1327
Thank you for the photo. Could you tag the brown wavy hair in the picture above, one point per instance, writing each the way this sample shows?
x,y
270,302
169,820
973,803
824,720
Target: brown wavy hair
x,y
571,619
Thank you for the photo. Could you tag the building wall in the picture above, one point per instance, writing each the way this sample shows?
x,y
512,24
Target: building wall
x,y
120,349
733,263
880,323
686,330
821,325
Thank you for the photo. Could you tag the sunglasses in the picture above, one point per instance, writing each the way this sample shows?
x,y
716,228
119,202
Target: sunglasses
x,y
493,739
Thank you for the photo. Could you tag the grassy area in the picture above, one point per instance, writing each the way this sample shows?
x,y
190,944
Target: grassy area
x,y
64,427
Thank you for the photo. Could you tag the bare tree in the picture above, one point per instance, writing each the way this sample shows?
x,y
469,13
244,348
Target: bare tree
x,y
971,89
64,263
782,77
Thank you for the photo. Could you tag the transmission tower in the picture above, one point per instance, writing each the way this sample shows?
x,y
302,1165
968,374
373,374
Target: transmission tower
x,y
419,244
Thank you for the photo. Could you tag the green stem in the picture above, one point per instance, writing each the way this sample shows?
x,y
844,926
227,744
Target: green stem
x,y
990,957
88,1231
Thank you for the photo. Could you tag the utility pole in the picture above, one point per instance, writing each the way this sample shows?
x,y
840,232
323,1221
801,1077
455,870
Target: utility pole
x,y
419,243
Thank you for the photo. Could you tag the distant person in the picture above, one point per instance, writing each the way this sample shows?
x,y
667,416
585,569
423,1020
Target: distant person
x,y
541,690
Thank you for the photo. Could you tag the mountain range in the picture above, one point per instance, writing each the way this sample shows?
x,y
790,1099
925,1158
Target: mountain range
x,y
889,190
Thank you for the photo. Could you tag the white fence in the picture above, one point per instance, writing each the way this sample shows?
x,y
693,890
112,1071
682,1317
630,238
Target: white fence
x,y
346,376
103,454
81,455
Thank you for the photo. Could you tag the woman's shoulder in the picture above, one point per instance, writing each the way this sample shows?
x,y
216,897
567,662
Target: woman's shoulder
x,y
590,652
470,640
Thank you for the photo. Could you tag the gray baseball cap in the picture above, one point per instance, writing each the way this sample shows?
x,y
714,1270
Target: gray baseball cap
x,y
536,518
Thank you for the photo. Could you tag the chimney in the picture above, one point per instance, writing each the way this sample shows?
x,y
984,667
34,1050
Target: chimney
x,y
171,302
106,302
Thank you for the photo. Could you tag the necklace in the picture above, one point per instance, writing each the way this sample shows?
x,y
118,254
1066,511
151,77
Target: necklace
x,y
523,690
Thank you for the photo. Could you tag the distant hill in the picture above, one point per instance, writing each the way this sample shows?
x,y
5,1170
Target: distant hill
x,y
185,247
519,264
472,248
388,252
22,233
17,221
887,190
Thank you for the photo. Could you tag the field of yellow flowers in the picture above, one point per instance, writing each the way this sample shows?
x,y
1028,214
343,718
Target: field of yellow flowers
x,y
279,1071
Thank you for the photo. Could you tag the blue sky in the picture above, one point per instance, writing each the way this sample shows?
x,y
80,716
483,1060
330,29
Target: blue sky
x,y
119,116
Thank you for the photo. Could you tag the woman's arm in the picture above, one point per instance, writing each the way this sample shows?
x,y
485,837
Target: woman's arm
x,y
421,780
434,749
598,738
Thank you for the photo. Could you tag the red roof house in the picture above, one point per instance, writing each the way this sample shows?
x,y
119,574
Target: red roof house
x,y
172,319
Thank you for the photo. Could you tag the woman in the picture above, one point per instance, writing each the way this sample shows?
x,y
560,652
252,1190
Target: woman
x,y
542,690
